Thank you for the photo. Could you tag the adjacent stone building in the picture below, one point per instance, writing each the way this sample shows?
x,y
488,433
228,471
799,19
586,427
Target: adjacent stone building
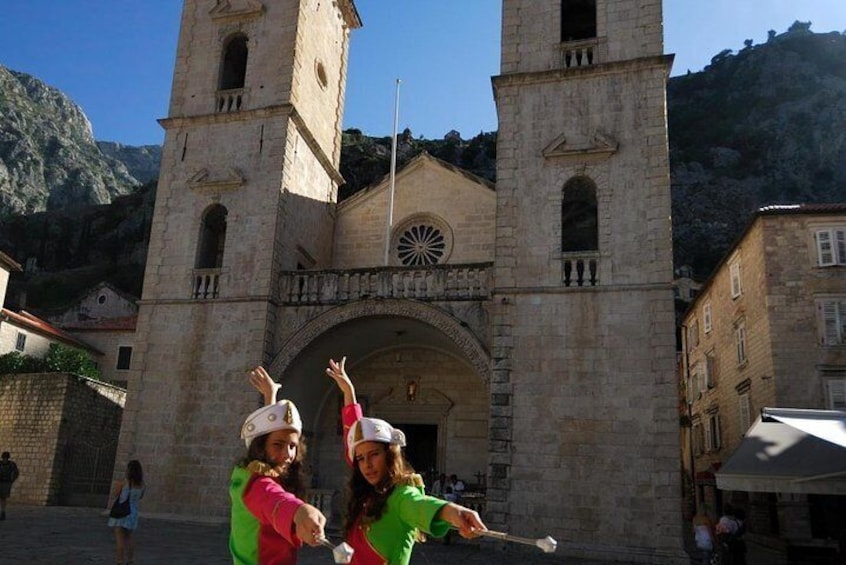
x,y
767,330
523,338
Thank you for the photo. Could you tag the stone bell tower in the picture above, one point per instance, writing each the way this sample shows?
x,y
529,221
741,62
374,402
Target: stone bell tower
x,y
584,425
248,178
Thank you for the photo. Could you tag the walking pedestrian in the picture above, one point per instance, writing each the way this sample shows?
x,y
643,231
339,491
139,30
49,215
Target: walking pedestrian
x,y
8,475
132,489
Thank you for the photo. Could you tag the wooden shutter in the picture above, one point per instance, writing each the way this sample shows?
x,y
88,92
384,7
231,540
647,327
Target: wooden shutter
x,y
831,322
706,317
837,394
745,412
825,253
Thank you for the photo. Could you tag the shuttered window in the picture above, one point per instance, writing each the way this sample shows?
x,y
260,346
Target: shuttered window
x,y
831,247
734,273
833,321
745,412
837,394
706,317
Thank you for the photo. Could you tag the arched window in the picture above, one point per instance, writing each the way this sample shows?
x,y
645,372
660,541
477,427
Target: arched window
x,y
579,225
212,238
233,68
578,19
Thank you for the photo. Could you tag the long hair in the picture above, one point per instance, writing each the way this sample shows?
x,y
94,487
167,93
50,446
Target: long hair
x,y
134,473
293,479
366,503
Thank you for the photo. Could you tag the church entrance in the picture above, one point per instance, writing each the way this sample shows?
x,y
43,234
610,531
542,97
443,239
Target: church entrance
x,y
421,448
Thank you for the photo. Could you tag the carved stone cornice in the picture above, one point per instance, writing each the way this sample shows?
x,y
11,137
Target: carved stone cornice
x,y
599,146
236,10
203,182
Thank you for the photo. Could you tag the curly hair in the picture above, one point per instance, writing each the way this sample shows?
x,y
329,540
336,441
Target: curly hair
x,y
366,503
293,479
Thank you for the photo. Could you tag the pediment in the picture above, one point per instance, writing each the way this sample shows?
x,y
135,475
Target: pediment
x,y
236,9
203,181
597,145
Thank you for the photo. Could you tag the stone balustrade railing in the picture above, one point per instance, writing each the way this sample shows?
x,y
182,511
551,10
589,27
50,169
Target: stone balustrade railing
x,y
580,269
231,100
205,283
582,53
436,282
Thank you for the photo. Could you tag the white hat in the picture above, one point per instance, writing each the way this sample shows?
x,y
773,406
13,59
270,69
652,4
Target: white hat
x,y
280,416
373,429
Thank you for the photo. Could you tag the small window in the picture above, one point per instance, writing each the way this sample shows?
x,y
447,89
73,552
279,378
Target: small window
x,y
101,299
20,342
711,369
698,439
320,72
837,394
693,334
831,247
701,377
712,433
124,358
745,412
734,273
740,342
833,321
706,317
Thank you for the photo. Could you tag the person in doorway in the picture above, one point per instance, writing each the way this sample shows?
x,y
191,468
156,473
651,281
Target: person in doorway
x,y
703,535
439,486
457,486
387,510
269,520
130,488
8,474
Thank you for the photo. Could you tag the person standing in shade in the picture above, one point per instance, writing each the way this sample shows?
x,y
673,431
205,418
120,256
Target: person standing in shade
x,y
132,488
8,475
387,510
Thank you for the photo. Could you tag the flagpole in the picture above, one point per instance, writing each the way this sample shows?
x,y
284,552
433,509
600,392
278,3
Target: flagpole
x,y
390,223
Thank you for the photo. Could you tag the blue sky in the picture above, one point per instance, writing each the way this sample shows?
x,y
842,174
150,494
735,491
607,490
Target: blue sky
x,y
115,57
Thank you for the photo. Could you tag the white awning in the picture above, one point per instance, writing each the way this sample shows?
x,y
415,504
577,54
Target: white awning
x,y
790,450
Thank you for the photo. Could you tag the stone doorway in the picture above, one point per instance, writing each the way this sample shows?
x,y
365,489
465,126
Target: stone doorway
x,y
422,448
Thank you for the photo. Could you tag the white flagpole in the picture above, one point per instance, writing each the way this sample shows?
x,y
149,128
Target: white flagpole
x,y
390,223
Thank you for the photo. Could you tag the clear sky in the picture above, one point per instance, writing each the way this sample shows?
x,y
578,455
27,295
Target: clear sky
x,y
115,57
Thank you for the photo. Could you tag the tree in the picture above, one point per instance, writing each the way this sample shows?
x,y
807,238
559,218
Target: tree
x,y
747,44
799,27
63,359
15,362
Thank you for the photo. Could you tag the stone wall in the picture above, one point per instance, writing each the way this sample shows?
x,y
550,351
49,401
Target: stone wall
x,y
41,417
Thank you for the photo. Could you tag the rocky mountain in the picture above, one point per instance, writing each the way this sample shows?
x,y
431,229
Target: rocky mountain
x,y
48,156
763,125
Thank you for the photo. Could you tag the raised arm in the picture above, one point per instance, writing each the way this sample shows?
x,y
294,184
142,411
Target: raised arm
x,y
263,383
339,375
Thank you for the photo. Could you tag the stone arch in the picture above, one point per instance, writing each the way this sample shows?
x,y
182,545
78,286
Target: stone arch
x,y
475,352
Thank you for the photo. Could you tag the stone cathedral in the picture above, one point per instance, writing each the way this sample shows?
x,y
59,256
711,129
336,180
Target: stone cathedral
x,y
521,335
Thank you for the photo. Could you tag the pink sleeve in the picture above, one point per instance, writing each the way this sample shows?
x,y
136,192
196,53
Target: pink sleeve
x,y
350,414
273,505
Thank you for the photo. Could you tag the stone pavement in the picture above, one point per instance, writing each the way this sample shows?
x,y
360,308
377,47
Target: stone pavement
x,y
58,535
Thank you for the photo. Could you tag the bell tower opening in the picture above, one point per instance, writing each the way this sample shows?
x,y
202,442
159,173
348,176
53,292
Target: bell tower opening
x,y
578,20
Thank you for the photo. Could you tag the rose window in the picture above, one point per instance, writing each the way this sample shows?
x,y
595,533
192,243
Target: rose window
x,y
421,244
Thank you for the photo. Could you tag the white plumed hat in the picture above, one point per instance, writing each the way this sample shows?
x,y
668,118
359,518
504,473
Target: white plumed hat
x,y
373,429
280,416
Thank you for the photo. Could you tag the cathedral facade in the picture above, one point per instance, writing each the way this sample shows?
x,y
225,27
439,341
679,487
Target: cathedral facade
x,y
521,335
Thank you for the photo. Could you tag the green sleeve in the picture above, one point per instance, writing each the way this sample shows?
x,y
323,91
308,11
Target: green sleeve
x,y
420,510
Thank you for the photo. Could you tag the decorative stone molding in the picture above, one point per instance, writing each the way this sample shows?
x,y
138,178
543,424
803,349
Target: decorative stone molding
x,y
201,182
450,326
229,10
600,146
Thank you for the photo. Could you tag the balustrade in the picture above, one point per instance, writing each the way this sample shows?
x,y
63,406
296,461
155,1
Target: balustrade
x,y
229,100
581,53
205,283
586,271
437,282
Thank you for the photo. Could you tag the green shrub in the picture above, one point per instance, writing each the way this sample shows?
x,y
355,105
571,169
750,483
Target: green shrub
x,y
59,359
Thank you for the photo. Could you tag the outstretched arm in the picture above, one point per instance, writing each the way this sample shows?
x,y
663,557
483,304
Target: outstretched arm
x,y
263,383
339,375
467,521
